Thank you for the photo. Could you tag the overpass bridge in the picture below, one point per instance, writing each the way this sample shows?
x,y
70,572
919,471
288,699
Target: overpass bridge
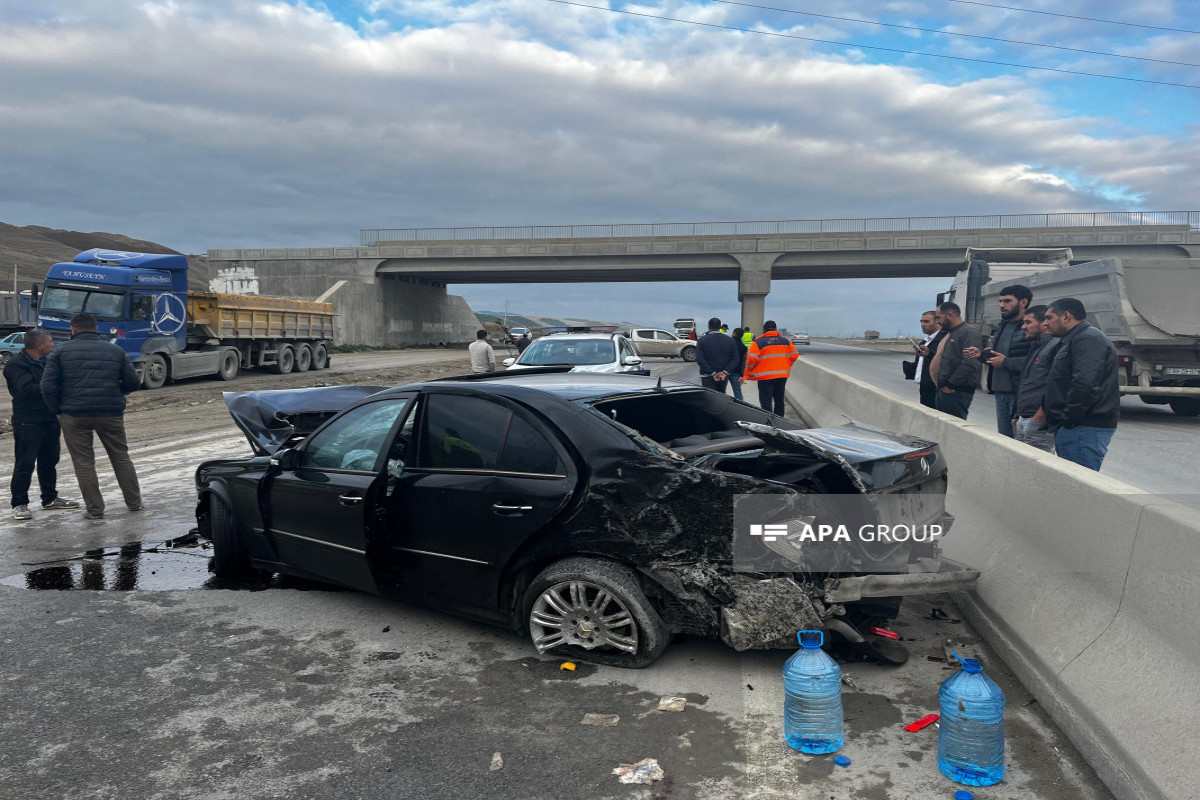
x,y
391,288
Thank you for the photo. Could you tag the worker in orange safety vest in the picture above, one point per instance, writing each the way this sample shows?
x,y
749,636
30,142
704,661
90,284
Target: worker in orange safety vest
x,y
769,362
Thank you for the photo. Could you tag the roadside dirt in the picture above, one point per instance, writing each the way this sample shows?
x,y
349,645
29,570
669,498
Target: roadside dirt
x,y
194,407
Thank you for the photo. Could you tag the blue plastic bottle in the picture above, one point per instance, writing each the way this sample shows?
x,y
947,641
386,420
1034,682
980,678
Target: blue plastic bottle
x,y
971,737
812,706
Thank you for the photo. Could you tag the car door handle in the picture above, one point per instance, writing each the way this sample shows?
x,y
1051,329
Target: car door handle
x,y
500,508
350,499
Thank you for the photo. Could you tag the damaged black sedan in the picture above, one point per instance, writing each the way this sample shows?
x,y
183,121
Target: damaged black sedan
x,y
594,513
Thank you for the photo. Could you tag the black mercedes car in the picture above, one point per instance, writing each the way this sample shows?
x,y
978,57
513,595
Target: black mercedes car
x,y
596,513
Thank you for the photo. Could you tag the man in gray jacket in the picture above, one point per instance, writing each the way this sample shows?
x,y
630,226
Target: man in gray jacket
x,y
85,384
955,374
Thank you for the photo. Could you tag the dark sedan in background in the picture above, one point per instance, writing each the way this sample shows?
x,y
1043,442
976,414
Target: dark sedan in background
x,y
592,512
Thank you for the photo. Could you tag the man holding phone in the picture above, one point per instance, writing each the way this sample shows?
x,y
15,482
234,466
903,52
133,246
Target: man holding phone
x,y
1009,352
925,351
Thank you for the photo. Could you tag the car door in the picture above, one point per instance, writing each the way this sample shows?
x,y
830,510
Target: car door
x,y
644,343
667,343
487,477
319,512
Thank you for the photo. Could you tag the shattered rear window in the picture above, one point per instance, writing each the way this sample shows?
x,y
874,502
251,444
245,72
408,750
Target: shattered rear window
x,y
684,418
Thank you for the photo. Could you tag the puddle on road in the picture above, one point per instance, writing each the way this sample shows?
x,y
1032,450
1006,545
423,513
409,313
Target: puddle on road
x,y
173,565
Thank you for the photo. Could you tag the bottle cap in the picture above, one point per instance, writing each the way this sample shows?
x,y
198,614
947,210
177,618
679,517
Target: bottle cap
x,y
842,761
963,794
810,643
968,664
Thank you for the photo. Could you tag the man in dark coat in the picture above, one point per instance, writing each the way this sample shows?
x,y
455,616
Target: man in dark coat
x,y
717,357
926,351
85,384
35,430
1010,349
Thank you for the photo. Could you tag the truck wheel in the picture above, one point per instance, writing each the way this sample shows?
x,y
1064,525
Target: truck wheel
x,y
688,353
1186,406
285,359
230,363
154,372
229,552
303,358
320,357
594,610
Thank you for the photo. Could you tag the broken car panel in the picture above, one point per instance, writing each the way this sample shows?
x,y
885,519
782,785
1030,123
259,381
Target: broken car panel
x,y
594,512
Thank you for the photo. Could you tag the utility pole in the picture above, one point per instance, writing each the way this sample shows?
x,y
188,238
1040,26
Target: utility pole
x,y
505,314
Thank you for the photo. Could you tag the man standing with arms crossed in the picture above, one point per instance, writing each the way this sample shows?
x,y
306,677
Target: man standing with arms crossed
x,y
35,430
1083,397
85,384
769,362
1029,417
955,374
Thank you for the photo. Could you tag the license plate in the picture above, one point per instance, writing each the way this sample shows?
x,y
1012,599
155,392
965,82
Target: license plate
x,y
1182,371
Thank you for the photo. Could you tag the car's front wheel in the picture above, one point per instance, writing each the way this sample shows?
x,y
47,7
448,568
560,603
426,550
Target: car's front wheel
x,y
230,559
593,610
688,353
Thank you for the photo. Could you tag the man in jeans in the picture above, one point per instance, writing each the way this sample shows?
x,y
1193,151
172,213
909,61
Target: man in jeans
x,y
717,357
954,373
1029,417
85,384
1083,397
35,430
1010,349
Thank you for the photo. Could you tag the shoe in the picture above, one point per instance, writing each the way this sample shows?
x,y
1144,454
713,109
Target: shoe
x,y
21,512
58,503
138,507
90,515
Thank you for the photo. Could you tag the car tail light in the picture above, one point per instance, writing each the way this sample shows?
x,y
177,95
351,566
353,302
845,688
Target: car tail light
x,y
921,454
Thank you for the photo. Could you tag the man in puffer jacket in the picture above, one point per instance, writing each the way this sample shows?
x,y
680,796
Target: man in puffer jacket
x,y
85,384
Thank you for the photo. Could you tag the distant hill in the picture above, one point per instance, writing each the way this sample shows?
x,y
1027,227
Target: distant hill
x,y
33,249
535,321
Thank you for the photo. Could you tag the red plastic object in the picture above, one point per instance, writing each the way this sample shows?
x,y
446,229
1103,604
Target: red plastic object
x,y
923,722
885,632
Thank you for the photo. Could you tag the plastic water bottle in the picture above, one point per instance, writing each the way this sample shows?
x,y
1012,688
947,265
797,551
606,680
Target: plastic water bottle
x,y
812,706
971,738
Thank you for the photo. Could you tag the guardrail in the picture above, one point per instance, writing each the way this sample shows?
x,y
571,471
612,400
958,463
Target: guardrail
x,y
1082,219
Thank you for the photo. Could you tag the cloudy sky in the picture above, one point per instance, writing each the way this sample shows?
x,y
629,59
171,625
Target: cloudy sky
x,y
233,123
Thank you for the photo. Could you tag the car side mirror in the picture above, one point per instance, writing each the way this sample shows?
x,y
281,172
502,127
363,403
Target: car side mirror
x,y
631,361
508,362
287,458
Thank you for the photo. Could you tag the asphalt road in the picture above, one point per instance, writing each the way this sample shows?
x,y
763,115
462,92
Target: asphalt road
x,y
1153,449
153,681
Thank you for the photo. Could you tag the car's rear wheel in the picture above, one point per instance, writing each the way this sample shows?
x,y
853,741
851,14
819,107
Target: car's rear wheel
x,y
593,610
688,353
229,551
1185,406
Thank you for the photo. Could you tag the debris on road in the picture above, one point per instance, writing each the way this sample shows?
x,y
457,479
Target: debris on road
x,y
387,628
842,761
941,616
672,703
846,679
923,722
600,720
567,665
885,632
497,763
645,771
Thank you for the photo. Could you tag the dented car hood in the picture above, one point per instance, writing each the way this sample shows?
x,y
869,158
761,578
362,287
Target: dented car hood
x,y
270,418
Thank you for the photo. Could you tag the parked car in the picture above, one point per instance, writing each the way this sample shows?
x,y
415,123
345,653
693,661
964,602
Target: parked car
x,y
591,512
584,349
801,338
655,342
517,333
10,345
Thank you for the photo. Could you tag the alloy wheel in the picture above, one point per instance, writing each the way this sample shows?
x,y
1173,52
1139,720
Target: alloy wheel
x,y
582,614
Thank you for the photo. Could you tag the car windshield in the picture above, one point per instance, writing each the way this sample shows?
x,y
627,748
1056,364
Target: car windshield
x,y
551,352
105,305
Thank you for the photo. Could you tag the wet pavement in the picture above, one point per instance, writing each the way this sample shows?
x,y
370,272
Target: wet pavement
x,y
148,680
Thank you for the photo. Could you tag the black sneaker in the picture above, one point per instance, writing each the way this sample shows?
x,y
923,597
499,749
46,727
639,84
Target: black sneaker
x,y
59,503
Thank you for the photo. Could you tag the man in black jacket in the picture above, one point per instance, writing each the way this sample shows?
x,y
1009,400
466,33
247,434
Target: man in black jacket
x,y
85,384
1010,349
955,375
1083,399
717,357
35,430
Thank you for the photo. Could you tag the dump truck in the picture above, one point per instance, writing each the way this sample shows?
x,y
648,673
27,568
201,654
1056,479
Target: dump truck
x,y
1146,307
18,311
141,302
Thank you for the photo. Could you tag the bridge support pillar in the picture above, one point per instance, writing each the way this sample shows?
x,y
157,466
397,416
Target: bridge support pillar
x,y
754,284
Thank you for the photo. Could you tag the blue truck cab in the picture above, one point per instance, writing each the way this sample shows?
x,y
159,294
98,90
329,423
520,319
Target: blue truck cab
x,y
139,300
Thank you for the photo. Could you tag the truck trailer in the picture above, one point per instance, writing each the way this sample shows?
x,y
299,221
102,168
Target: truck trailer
x,y
1146,307
142,303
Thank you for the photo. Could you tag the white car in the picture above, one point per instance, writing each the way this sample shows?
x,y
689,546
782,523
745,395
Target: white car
x,y
517,333
595,349
801,338
655,342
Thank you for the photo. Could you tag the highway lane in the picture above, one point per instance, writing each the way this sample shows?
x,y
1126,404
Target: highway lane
x,y
1153,449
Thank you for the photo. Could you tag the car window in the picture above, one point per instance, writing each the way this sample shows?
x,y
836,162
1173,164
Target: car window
x,y
353,440
462,432
567,351
664,336
526,449
644,334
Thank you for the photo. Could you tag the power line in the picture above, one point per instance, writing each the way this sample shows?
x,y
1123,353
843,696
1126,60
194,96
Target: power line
x,y
1073,16
877,47
953,33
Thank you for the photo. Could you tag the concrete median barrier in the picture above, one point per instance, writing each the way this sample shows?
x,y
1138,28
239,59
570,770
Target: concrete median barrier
x,y
1090,587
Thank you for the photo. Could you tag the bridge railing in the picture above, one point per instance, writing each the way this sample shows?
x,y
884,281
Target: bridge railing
x,y
1074,219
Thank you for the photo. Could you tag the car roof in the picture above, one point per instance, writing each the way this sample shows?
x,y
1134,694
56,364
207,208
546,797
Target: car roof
x,y
570,386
